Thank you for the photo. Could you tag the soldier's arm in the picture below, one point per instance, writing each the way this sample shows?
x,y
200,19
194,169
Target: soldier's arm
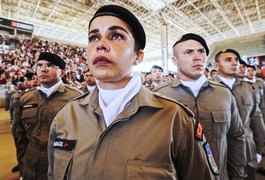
x,y
191,153
22,140
257,123
236,145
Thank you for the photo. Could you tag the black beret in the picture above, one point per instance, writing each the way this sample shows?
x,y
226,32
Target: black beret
x,y
196,37
242,62
228,51
252,66
52,58
126,16
29,75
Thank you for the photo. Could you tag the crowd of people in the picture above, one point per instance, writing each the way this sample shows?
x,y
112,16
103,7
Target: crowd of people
x,y
88,116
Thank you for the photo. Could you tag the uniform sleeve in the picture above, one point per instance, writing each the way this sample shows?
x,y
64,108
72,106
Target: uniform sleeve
x,y
51,140
189,154
236,156
22,140
257,123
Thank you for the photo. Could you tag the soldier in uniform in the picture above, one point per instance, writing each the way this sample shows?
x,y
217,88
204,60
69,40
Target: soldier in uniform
x,y
90,83
122,130
227,63
37,108
157,76
222,125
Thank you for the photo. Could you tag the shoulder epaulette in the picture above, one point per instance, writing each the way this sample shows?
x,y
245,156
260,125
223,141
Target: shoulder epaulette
x,y
163,85
73,88
175,101
217,84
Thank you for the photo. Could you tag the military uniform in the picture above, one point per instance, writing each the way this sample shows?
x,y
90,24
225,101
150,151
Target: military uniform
x,y
251,117
34,118
153,138
215,108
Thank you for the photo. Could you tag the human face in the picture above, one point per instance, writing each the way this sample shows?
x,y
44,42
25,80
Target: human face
x,y
47,73
111,53
157,75
90,80
190,59
251,73
227,64
242,71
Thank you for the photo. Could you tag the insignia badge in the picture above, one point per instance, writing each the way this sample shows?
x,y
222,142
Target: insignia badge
x,y
210,158
64,144
199,131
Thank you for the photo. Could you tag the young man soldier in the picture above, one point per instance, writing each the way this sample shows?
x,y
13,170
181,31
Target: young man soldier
x,y
122,130
246,95
212,103
37,108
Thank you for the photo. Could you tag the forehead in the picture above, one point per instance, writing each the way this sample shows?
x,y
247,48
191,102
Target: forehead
x,y
227,54
189,44
104,22
43,62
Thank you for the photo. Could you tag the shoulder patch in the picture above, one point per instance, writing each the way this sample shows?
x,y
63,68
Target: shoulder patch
x,y
198,131
210,158
177,102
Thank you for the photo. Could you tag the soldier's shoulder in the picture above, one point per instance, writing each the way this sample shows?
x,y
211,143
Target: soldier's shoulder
x,y
217,84
30,92
182,106
163,85
68,87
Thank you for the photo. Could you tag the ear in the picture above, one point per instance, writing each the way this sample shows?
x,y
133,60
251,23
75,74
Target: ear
x,y
139,57
62,72
216,65
174,60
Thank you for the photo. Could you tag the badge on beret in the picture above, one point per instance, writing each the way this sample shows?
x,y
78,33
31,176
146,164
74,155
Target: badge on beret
x,y
64,144
210,158
199,131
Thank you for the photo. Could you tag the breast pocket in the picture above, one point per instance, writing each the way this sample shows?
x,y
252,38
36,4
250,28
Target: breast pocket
x,y
63,161
221,124
29,118
142,170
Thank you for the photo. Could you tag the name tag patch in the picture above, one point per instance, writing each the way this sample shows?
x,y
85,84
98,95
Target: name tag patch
x,y
64,144
210,158
30,106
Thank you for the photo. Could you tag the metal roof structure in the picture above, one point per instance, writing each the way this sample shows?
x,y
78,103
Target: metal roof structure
x,y
216,20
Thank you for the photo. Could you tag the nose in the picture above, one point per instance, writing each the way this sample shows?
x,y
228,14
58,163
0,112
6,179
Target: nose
x,y
102,46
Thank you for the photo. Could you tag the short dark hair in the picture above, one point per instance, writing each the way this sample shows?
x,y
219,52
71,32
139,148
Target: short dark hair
x,y
157,67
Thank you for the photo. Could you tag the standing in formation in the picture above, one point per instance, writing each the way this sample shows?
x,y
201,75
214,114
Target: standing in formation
x,y
122,130
212,103
36,110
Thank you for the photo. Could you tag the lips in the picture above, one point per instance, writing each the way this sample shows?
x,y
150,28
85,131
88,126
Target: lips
x,y
101,61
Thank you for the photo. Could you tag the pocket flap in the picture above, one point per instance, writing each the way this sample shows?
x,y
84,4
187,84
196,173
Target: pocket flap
x,y
221,116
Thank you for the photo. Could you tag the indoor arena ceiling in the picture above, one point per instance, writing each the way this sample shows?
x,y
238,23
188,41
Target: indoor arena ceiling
x,y
216,20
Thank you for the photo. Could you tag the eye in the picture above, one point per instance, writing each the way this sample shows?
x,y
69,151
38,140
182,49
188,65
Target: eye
x,y
188,52
201,51
39,66
50,66
93,38
116,36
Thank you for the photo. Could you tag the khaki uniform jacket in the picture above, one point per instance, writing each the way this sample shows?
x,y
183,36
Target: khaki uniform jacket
x,y
251,117
153,138
215,108
35,115
260,82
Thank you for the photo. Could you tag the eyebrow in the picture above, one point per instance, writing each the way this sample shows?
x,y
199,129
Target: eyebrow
x,y
110,28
